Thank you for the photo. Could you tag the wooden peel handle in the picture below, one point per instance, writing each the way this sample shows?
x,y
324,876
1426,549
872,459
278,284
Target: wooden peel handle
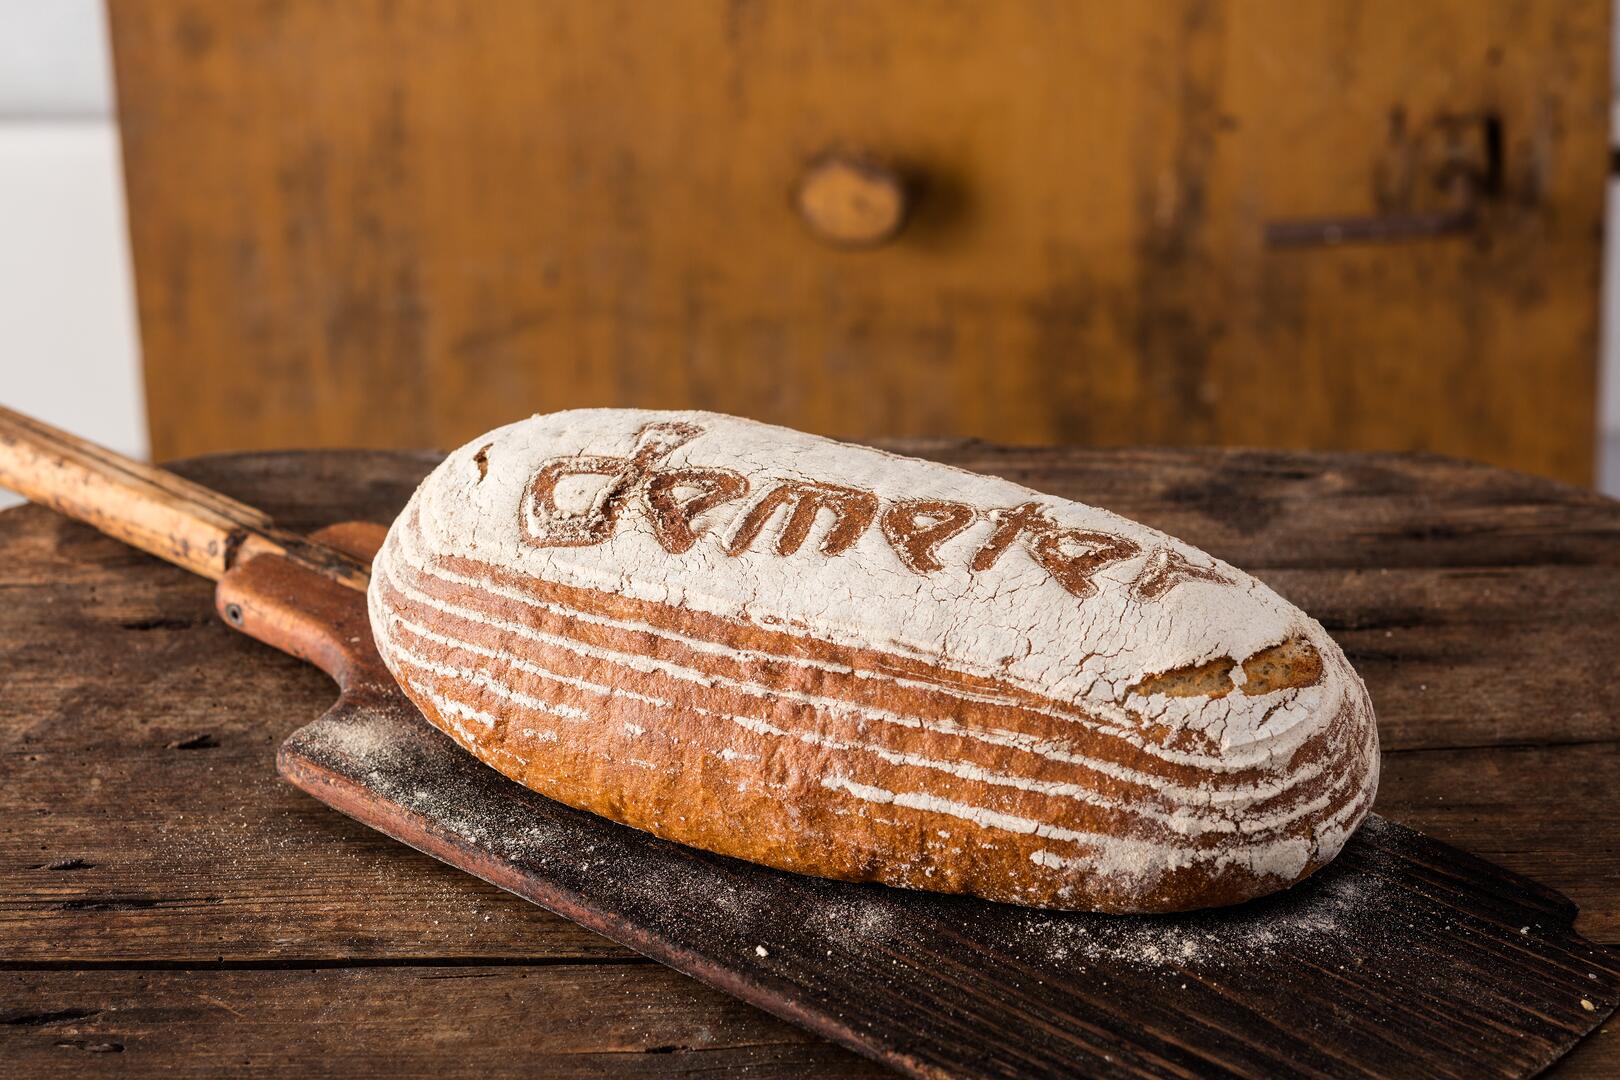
x,y
150,508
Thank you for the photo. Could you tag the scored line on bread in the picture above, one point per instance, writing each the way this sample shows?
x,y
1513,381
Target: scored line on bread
x,y
826,658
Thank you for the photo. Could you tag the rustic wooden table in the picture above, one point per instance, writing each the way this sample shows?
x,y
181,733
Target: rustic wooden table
x,y
167,903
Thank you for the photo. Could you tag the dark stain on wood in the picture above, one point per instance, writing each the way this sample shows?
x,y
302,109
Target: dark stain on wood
x,y
109,903
205,740
157,623
1234,503
46,1019
64,864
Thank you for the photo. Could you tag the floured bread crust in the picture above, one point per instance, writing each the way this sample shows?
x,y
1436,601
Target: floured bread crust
x,y
837,661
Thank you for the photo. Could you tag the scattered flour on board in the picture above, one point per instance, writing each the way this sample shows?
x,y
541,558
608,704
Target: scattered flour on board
x,y
1314,919
1352,914
1318,915
370,738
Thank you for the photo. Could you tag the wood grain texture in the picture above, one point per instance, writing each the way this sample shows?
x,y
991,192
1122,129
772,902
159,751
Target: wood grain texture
x,y
447,1021
1404,954
1382,957
148,507
391,224
141,505
134,724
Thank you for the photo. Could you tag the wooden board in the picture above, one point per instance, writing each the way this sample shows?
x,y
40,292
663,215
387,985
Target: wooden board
x,y
402,222
1364,969
470,1021
159,882
1405,955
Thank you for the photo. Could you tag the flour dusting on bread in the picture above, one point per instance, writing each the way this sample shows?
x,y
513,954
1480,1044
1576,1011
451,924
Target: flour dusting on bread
x,y
839,661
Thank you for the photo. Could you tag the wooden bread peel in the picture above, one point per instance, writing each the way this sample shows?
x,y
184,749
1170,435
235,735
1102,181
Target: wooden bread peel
x,y
1405,956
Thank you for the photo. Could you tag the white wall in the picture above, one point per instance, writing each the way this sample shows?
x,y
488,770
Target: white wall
x,y
53,60
68,345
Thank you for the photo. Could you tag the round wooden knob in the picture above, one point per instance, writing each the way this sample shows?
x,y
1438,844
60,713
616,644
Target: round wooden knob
x,y
851,202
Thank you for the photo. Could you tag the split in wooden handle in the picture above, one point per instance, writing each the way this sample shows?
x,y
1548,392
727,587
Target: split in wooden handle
x,y
152,509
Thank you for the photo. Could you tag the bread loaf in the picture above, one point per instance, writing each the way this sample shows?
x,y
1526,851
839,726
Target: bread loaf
x,y
838,661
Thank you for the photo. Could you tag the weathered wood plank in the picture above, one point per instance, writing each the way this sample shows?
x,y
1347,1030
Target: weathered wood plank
x,y
198,862
1404,953
1265,509
1458,649
1596,1057
134,735
1452,657
553,1021
135,728
1259,509
1475,656
1546,812
158,854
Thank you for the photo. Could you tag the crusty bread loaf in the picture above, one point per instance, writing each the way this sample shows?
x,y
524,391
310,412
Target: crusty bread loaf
x,y
837,661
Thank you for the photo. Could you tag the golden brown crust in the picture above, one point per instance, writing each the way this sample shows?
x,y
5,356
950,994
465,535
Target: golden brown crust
x,y
652,750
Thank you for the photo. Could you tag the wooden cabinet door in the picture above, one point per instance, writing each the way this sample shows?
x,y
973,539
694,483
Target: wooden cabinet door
x,y
1339,224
